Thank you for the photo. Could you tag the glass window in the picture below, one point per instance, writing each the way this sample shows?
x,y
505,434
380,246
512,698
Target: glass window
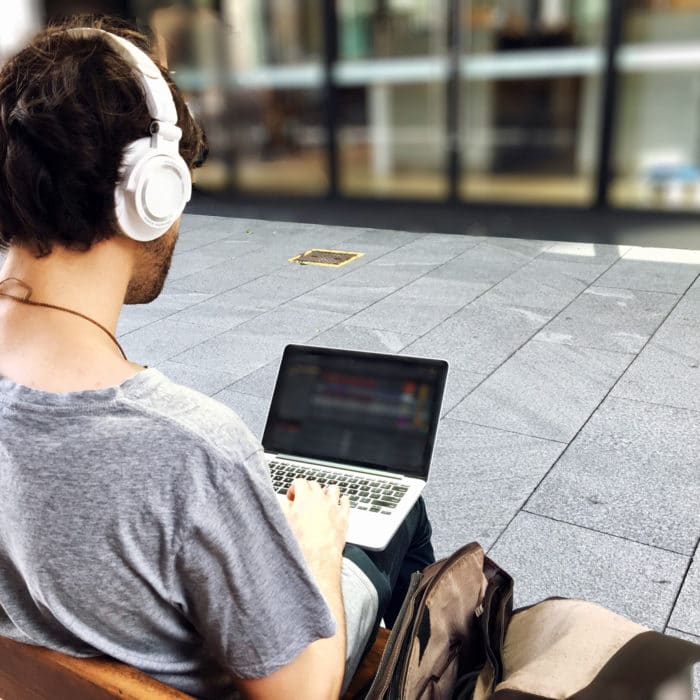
x,y
530,99
391,77
657,128
252,71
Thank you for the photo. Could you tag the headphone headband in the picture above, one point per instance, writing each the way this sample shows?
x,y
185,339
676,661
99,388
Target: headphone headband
x,y
155,183
160,102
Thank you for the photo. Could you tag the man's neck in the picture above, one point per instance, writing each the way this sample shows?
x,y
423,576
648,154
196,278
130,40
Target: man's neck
x,y
93,283
54,350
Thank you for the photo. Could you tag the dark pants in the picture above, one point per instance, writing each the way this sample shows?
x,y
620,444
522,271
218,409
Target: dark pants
x,y
390,570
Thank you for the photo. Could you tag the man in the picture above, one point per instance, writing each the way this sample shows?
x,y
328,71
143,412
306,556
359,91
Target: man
x,y
137,517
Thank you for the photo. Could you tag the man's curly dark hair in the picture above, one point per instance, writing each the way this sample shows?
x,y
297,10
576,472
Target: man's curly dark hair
x,y
68,107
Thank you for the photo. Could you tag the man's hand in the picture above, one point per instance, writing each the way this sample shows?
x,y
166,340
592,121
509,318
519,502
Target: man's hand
x,y
319,519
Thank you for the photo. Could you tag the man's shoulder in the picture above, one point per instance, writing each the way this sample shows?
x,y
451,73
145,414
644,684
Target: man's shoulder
x,y
193,416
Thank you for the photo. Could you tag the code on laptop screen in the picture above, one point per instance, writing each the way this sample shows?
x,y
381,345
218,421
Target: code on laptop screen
x,y
357,408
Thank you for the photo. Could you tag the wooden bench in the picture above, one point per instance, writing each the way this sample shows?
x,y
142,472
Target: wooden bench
x,y
33,673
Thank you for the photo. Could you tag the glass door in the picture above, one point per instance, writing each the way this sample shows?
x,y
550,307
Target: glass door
x,y
530,99
656,158
391,88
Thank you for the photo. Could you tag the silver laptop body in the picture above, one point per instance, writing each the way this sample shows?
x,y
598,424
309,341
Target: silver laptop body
x,y
364,421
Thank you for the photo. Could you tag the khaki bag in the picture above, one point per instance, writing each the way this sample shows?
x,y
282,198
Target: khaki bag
x,y
563,649
458,638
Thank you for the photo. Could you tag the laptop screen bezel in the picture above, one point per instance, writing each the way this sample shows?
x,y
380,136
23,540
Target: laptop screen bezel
x,y
440,365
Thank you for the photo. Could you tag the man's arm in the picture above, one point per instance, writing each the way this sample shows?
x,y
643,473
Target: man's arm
x,y
319,519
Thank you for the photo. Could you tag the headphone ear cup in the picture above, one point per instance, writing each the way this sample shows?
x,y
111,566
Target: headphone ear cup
x,y
154,189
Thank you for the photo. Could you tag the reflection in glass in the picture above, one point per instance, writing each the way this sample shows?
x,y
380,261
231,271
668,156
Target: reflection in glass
x,y
391,78
657,129
253,75
530,99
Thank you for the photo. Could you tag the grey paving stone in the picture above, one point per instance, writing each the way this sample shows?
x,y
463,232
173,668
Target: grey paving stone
x,y
168,303
273,290
230,227
220,250
352,337
546,286
220,314
610,319
252,410
163,339
258,341
545,390
343,297
435,249
229,309
479,337
696,669
127,324
632,471
205,380
192,222
483,263
667,371
315,275
196,235
230,273
236,352
523,246
259,383
459,383
419,306
548,558
686,312
381,273
650,276
479,479
585,252
385,237
686,614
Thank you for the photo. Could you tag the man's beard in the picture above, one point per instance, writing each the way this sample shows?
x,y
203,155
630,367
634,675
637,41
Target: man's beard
x,y
150,282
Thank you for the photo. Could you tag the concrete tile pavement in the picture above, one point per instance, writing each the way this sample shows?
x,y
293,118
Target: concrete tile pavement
x,y
570,444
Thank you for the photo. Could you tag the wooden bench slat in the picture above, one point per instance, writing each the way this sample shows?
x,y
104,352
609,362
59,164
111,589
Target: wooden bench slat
x,y
33,673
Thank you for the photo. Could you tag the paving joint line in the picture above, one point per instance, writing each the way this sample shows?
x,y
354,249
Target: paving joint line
x,y
685,555
231,289
523,508
617,397
505,430
287,301
578,432
678,593
606,395
403,286
536,332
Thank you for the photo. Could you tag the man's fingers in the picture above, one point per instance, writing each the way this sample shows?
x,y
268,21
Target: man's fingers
x,y
334,492
303,488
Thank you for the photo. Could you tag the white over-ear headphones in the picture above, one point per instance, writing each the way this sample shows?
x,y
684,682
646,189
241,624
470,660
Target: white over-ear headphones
x,y
155,181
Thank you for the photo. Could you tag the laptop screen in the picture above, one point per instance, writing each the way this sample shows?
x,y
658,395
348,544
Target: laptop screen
x,y
364,409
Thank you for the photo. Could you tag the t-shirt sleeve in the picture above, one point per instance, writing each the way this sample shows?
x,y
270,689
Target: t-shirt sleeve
x,y
245,584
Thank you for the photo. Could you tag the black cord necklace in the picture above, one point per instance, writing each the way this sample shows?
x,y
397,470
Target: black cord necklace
x,y
26,300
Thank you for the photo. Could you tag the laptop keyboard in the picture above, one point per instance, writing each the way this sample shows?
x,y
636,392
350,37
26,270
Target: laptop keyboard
x,y
365,493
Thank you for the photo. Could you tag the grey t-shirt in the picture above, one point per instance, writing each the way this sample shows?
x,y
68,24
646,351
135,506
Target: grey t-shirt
x,y
139,521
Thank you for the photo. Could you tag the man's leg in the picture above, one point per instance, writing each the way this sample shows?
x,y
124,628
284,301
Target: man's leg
x,y
390,570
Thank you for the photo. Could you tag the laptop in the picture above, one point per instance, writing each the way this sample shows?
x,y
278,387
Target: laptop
x,y
364,421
